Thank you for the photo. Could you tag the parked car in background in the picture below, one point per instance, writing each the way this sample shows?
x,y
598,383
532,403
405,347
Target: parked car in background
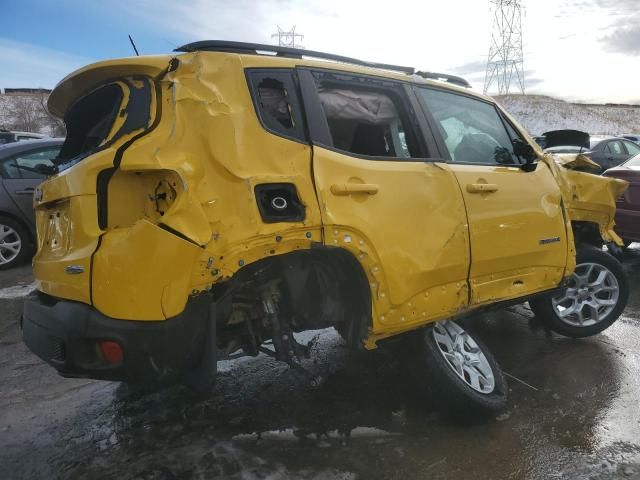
x,y
7,136
634,137
609,152
628,204
23,165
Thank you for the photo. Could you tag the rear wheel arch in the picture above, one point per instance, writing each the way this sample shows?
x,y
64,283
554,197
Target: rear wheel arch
x,y
320,288
30,234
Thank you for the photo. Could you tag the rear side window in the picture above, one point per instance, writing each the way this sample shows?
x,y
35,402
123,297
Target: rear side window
x,y
367,117
30,165
102,116
276,101
473,131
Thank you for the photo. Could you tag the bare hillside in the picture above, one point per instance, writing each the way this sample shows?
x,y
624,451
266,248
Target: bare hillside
x,y
539,114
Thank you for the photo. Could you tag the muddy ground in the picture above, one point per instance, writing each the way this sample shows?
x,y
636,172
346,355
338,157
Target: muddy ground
x,y
573,413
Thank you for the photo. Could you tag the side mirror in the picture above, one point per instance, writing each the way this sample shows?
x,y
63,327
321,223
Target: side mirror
x,y
524,150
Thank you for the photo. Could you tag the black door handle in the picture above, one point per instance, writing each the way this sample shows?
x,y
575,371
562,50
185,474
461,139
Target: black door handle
x,y
26,191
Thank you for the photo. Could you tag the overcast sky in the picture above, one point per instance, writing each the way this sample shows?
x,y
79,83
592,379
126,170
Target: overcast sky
x,y
586,50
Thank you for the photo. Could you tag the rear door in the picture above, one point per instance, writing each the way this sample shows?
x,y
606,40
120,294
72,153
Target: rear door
x,y
25,171
517,228
384,197
614,154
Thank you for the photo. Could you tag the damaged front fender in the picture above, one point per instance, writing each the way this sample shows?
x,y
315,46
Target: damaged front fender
x,y
588,197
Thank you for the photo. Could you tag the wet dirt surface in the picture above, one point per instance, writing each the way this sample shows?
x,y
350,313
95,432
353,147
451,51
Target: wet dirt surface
x,y
575,416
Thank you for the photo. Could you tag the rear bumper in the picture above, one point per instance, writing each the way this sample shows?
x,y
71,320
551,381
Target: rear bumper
x,y
65,334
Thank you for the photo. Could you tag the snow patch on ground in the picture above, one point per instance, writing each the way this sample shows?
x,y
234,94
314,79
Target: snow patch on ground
x,y
17,291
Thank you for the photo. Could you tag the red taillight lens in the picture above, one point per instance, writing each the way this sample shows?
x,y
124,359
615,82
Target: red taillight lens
x,y
111,351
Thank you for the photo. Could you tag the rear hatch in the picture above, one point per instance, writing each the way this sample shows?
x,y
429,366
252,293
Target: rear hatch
x,y
104,107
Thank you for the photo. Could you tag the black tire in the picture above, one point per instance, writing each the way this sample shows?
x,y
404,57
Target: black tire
x,y
20,233
544,310
444,386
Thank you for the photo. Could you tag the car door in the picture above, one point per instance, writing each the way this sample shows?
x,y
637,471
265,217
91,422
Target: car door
x,y
383,199
517,228
23,172
614,154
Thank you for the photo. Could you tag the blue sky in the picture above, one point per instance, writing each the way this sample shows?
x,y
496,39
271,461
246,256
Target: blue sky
x,y
574,49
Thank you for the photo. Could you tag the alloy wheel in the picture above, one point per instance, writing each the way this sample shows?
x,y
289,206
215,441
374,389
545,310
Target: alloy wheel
x,y
464,356
591,296
10,244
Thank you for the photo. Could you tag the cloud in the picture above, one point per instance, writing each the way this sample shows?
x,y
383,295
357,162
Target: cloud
x,y
32,66
470,68
625,37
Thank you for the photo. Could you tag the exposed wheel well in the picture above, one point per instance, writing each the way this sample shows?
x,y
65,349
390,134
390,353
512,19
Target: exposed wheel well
x,y
587,233
313,289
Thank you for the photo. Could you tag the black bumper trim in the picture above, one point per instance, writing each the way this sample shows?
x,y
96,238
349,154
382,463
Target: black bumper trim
x,y
64,334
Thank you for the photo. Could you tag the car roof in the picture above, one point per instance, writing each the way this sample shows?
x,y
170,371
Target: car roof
x,y
85,79
9,149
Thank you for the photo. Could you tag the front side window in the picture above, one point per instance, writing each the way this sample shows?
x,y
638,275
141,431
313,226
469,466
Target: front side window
x,y
32,165
367,119
473,131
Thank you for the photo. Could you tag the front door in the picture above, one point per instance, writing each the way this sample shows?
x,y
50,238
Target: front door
x,y
400,214
517,228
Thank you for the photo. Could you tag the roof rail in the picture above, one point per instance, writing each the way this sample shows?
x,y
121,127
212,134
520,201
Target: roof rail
x,y
256,48
445,77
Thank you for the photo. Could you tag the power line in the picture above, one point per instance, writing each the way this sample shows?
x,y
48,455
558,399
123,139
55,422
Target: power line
x,y
288,38
505,64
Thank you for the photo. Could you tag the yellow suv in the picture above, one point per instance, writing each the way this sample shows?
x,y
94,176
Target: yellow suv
x,y
214,202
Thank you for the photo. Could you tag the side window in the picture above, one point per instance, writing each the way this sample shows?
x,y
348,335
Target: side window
x,y
632,148
32,165
472,129
615,148
276,101
366,117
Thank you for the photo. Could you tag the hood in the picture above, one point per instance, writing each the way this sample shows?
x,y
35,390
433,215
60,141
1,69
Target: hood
x,y
575,138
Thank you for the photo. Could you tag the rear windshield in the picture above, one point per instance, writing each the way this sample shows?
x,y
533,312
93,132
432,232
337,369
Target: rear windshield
x,y
90,121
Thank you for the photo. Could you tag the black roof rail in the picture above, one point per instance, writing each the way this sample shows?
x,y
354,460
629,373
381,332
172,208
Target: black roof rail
x,y
255,48
445,77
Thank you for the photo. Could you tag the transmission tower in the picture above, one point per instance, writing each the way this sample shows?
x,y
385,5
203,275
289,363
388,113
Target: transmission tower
x,y
288,38
505,65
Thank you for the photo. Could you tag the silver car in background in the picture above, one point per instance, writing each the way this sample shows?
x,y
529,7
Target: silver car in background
x,y
23,165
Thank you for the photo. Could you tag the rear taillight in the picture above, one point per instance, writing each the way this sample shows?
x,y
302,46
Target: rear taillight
x,y
111,352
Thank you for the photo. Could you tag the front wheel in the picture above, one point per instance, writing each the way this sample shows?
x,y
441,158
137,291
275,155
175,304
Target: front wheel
x,y
595,297
459,372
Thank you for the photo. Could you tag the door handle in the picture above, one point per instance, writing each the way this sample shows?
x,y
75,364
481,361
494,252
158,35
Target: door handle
x,y
482,187
349,188
26,191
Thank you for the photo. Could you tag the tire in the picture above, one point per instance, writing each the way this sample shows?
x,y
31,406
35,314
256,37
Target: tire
x,y
14,243
598,293
453,362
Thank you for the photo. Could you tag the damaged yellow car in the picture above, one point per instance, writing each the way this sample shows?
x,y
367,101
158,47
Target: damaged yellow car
x,y
215,202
